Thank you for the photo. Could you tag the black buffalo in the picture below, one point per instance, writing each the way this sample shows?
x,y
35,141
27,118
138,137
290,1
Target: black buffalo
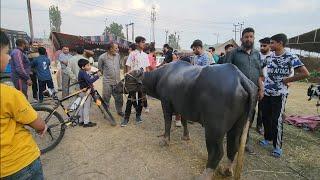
x,y
219,97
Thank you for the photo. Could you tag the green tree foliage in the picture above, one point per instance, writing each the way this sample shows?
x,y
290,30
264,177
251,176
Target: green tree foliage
x,y
55,18
115,29
173,41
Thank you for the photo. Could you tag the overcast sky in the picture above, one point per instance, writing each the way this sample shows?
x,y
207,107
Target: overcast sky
x,y
192,19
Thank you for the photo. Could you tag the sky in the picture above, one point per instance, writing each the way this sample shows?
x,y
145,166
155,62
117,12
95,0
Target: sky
x,y
191,19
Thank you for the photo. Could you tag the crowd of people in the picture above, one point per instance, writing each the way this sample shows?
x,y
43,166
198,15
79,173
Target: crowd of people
x,y
271,70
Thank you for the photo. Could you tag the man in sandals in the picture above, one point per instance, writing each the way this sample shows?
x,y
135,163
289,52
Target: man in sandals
x,y
279,65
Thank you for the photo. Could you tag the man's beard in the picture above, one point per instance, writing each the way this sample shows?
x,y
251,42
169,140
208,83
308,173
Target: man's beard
x,y
247,45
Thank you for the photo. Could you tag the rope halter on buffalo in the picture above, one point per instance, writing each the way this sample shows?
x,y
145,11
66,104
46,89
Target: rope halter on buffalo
x,y
135,86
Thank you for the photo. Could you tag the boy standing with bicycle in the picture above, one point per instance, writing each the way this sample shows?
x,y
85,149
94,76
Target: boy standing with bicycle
x,y
19,153
86,81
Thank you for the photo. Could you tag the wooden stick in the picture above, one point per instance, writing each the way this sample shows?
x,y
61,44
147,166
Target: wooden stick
x,y
240,157
263,171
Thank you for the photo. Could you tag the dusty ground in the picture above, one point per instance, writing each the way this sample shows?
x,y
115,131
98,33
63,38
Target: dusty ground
x,y
106,152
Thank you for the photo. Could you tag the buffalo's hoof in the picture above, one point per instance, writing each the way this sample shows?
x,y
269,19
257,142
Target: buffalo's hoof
x,y
186,138
164,142
207,174
225,171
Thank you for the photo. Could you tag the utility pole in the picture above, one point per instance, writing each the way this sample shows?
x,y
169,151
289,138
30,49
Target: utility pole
x,y
178,41
105,26
153,19
240,31
235,31
30,19
132,31
175,38
127,32
167,31
44,34
217,34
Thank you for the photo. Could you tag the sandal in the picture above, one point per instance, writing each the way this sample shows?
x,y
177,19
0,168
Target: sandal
x,y
264,143
276,153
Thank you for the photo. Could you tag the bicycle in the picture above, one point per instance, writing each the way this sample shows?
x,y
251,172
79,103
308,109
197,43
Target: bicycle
x,y
55,122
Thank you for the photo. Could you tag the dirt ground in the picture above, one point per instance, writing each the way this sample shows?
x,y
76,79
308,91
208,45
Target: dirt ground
x,y
133,152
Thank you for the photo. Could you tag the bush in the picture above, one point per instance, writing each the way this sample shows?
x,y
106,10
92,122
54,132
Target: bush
x,y
314,77
314,74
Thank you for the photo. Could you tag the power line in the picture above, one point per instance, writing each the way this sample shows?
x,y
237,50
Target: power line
x,y
87,20
141,19
167,18
110,9
47,11
185,23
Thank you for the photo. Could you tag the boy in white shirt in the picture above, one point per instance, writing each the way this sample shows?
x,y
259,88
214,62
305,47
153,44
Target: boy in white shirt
x,y
137,59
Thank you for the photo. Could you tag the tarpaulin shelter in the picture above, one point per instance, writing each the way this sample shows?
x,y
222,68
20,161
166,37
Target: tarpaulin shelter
x,y
88,42
14,35
309,41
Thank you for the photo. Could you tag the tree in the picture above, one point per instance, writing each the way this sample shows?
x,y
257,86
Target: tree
x,y
55,18
173,41
115,29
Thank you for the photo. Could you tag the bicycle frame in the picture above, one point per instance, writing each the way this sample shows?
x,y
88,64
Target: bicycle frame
x,y
73,117
60,101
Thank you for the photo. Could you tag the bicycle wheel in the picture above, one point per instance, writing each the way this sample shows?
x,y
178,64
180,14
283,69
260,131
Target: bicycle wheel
x,y
55,131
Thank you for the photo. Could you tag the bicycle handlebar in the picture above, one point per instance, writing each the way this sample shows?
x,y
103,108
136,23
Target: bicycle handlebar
x,y
94,73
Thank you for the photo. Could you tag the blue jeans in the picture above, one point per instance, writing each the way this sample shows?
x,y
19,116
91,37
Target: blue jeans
x,y
31,172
